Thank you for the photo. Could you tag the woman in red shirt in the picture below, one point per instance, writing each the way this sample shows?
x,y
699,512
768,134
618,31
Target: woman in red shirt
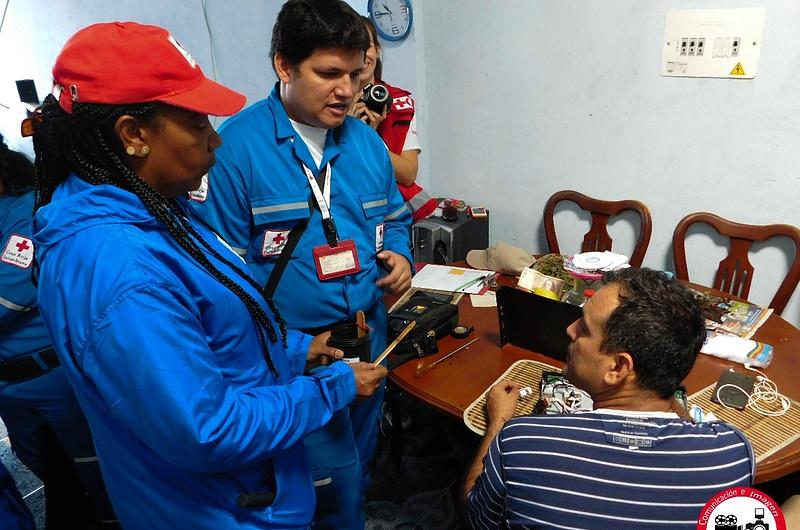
x,y
397,125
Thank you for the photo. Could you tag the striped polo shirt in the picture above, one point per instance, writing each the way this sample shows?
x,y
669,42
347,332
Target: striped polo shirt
x,y
607,469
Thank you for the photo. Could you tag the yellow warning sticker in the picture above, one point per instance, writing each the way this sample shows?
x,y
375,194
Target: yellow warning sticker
x,y
737,70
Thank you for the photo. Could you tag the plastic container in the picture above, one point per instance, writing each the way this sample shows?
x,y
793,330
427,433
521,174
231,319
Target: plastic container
x,y
355,348
547,293
575,298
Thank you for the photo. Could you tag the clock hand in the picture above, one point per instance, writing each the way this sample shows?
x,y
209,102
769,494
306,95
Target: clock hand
x,y
387,10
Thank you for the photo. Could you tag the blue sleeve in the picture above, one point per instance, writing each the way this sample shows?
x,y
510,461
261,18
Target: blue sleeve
x,y
486,502
17,292
298,343
227,205
170,389
397,222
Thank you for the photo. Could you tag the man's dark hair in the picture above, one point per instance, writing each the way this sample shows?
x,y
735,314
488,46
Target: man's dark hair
x,y
304,26
16,170
659,322
84,142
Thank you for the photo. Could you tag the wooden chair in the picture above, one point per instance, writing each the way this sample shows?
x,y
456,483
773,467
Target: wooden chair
x,y
597,238
735,272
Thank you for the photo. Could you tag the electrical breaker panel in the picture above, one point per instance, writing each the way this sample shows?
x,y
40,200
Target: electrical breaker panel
x,y
713,42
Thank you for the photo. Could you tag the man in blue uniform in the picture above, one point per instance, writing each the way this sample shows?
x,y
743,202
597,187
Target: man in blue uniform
x,y
35,396
296,161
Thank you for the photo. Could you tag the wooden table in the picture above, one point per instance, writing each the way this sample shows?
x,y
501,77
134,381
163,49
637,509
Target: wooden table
x,y
454,384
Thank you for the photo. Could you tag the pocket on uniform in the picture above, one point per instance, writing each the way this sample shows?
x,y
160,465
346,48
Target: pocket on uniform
x,y
374,204
274,218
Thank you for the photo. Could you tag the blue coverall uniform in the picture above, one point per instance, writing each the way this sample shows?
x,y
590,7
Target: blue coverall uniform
x,y
167,365
47,398
258,189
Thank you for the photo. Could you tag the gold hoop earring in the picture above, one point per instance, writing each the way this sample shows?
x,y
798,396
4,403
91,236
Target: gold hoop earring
x,y
145,150
130,150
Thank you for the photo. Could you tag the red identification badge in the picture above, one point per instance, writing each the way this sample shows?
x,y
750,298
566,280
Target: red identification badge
x,y
333,262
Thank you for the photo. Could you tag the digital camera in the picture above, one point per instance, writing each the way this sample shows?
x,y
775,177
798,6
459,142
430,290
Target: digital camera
x,y
759,523
376,97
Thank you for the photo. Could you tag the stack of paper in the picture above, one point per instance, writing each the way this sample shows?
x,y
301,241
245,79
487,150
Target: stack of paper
x,y
453,279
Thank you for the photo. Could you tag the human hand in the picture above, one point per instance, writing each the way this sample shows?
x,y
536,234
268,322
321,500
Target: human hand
x,y
370,117
501,403
375,118
320,353
398,279
368,377
359,110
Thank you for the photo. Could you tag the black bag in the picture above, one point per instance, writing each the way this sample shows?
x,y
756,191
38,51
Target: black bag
x,y
431,315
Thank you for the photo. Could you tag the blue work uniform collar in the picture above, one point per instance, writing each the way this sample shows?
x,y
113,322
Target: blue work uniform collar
x,y
284,132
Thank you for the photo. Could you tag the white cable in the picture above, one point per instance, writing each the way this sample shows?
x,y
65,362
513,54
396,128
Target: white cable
x,y
763,398
211,45
3,18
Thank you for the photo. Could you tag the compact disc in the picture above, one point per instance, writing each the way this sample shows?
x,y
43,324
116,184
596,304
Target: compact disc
x,y
592,260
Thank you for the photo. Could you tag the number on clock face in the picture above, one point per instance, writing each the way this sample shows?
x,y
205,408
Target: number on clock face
x,y
392,18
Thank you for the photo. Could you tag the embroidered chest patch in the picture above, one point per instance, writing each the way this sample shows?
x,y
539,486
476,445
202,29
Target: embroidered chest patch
x,y
18,251
274,241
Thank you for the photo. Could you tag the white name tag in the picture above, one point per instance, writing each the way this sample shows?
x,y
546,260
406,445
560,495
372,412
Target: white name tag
x,y
339,262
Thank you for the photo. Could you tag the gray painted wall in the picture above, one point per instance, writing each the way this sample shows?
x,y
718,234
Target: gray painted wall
x,y
520,98
236,33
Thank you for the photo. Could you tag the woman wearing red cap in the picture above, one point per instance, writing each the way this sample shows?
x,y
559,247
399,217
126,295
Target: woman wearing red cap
x,y
190,381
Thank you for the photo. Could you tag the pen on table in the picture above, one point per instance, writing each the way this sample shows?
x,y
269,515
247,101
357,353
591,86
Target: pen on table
x,y
473,282
422,370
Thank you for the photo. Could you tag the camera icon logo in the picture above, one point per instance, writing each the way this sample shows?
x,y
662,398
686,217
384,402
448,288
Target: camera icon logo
x,y
741,508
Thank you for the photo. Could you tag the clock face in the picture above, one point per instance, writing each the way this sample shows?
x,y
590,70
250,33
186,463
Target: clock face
x,y
392,18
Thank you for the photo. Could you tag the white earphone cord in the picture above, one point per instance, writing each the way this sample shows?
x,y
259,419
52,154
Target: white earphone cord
x,y
764,396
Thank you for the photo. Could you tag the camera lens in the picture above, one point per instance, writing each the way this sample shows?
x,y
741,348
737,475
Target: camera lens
x,y
376,97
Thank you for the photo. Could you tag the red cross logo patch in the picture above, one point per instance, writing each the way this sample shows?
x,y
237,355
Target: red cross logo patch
x,y
18,251
379,238
274,241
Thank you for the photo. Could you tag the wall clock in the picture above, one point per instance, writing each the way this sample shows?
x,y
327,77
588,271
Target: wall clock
x,y
392,18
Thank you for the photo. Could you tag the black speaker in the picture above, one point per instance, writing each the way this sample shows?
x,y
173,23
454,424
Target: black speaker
x,y
439,241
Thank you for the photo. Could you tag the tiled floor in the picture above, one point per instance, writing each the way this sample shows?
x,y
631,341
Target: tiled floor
x,y
29,486
421,496
425,493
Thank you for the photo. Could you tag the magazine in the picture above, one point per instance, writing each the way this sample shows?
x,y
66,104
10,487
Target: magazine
x,y
732,317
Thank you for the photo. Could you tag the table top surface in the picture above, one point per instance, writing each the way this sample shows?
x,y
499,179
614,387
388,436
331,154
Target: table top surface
x,y
455,383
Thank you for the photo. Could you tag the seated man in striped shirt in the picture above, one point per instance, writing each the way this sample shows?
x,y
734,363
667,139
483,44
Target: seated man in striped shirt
x,y
630,463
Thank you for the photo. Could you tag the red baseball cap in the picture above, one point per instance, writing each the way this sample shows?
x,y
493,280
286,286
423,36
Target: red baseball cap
x,y
125,62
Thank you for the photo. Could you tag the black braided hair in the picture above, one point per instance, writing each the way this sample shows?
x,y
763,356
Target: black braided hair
x,y
84,142
16,171
272,307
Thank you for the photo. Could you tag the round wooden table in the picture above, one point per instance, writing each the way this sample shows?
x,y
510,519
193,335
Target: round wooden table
x,y
455,383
